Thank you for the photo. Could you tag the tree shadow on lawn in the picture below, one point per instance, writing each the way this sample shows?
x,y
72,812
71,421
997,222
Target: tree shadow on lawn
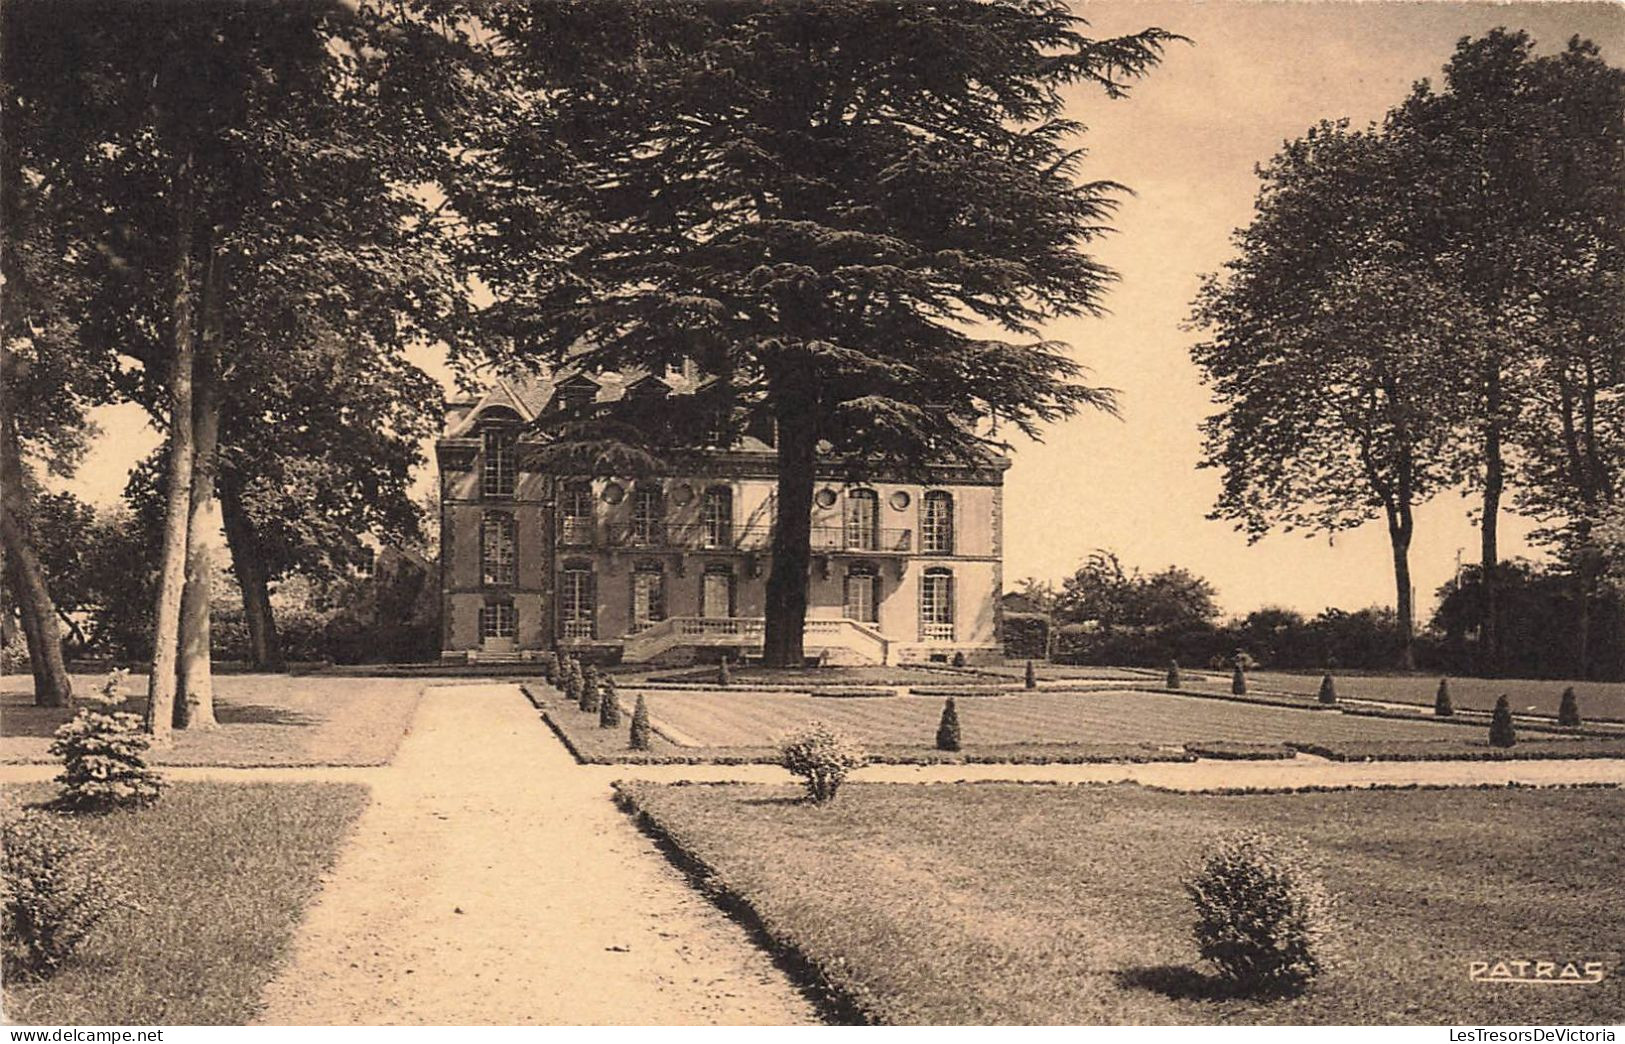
x,y
19,717
1178,982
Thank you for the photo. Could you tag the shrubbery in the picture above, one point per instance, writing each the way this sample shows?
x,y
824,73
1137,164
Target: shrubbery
x,y
640,725
53,891
1238,680
589,690
1328,690
103,754
1175,679
1502,734
1030,678
948,728
1568,712
822,757
1262,916
609,705
1441,700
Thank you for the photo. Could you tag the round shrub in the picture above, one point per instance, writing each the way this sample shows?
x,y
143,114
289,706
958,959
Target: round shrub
x,y
609,706
822,757
1568,712
948,728
1502,734
1328,690
54,891
640,725
1175,678
1441,700
1262,916
103,754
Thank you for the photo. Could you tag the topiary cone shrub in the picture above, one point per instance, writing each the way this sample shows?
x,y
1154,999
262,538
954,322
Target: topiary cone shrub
x,y
959,658
640,725
103,754
1175,679
1262,916
1502,734
609,705
1238,681
822,757
1568,712
53,890
1328,690
724,675
1441,700
948,728
572,681
590,682
1030,679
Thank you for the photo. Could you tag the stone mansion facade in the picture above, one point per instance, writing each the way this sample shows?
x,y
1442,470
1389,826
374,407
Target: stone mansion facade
x,y
674,568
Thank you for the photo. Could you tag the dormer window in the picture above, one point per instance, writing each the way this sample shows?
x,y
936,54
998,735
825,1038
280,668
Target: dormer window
x,y
575,394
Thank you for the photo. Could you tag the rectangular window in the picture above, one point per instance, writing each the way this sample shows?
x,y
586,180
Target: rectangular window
x,y
576,607
576,515
937,606
498,620
937,524
497,549
499,466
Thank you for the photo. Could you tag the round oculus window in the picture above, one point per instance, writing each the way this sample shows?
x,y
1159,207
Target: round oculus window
x,y
614,493
898,500
682,495
825,498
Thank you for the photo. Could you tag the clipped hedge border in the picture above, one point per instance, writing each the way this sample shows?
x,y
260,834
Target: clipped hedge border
x,y
1425,750
1225,750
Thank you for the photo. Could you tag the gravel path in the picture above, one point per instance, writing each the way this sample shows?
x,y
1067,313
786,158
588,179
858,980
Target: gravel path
x,y
491,882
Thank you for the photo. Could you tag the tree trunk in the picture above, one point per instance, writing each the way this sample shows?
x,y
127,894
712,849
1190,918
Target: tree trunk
x,y
194,704
792,534
248,562
1399,535
52,687
162,681
1489,635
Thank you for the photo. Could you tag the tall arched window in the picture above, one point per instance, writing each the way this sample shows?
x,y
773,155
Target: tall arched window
x,y
577,601
937,523
862,520
499,452
717,517
862,595
648,594
497,549
717,591
937,605
648,515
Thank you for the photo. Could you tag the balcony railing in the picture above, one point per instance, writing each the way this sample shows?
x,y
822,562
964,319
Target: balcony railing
x,y
578,532
862,540
937,632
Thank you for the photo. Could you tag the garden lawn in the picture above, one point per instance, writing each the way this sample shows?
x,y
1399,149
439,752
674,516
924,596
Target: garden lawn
x,y
817,677
221,873
265,719
1599,701
725,719
1011,904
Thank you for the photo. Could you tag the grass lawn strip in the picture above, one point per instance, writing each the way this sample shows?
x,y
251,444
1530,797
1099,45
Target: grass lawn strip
x,y
1010,904
1599,701
266,720
222,873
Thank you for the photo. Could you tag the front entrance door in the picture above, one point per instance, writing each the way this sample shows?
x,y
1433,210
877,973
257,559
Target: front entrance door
x,y
716,596
498,625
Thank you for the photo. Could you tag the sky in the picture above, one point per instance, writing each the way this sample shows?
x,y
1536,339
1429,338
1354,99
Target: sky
x,y
1186,141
